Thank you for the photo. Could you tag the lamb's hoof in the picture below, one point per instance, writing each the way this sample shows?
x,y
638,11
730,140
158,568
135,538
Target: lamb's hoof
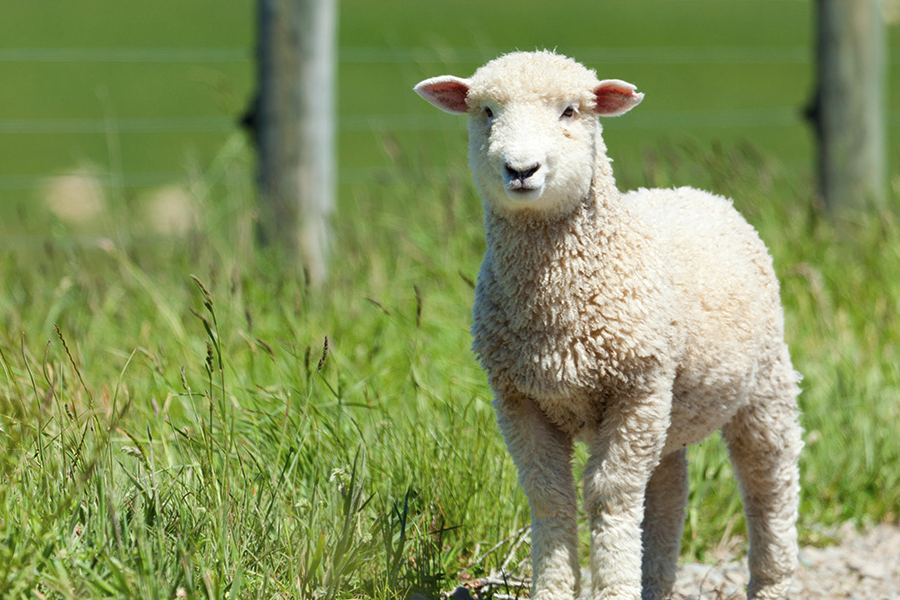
x,y
768,590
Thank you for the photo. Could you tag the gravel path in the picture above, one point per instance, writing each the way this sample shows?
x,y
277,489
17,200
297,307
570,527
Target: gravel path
x,y
864,566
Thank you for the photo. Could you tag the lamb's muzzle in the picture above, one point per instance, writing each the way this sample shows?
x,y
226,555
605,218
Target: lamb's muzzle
x,y
518,176
519,183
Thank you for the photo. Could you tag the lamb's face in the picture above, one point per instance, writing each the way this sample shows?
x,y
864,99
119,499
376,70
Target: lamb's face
x,y
533,130
532,152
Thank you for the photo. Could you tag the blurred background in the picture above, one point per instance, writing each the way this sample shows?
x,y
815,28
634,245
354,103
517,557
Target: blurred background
x,y
111,108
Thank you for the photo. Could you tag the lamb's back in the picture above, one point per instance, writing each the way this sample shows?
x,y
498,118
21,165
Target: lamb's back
x,y
714,257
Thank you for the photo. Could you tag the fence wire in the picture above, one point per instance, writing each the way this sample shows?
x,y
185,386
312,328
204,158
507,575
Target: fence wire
x,y
381,123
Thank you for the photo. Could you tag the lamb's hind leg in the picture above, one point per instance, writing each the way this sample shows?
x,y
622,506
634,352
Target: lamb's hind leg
x,y
543,457
764,440
664,504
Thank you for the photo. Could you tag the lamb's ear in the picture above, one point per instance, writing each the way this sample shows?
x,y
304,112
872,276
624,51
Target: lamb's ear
x,y
446,92
615,97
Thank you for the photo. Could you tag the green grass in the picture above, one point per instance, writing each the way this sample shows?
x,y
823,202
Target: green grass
x,y
173,418
164,433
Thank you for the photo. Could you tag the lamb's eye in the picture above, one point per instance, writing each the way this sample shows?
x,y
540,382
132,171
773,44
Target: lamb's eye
x,y
488,112
569,112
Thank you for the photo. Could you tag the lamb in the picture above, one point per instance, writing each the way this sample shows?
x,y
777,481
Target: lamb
x,y
638,323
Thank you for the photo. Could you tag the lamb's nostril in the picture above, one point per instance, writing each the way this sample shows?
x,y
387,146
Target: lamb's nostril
x,y
521,174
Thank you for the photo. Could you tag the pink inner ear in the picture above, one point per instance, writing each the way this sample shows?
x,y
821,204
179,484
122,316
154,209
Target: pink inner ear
x,y
614,99
451,95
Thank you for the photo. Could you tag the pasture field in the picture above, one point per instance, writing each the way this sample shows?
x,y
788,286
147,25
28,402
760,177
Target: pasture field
x,y
143,94
164,433
180,416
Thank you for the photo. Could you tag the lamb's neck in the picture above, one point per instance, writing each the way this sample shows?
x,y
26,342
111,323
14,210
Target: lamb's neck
x,y
558,256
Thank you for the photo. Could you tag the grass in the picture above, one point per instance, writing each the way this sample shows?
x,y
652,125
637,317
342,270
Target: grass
x,y
180,416
183,417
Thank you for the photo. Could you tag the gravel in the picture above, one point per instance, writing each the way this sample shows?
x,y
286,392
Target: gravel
x,y
864,566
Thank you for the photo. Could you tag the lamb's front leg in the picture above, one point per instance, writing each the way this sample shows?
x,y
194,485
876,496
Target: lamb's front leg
x,y
623,455
543,456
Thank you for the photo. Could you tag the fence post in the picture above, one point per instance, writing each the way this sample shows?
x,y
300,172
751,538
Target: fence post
x,y
292,121
848,110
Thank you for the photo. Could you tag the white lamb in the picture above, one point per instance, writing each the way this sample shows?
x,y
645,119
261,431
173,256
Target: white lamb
x,y
638,323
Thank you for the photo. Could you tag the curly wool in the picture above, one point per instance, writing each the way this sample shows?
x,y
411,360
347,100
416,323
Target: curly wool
x,y
549,328
639,323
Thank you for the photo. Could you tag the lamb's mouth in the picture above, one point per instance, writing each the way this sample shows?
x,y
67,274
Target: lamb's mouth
x,y
520,191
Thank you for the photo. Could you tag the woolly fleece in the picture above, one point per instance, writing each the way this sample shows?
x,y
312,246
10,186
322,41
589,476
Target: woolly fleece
x,y
638,323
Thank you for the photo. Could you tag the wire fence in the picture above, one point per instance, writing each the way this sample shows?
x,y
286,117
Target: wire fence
x,y
395,55
704,119
381,124
427,55
692,119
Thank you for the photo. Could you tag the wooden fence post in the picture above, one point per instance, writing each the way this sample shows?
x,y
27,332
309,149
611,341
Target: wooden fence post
x,y
849,106
292,121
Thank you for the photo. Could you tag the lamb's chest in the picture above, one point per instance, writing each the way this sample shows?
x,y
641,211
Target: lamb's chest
x,y
563,374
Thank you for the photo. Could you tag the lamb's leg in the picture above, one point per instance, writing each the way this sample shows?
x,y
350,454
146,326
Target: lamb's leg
x,y
764,440
664,504
543,456
624,453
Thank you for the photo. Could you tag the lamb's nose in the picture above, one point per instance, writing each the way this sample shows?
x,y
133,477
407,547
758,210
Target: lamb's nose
x,y
521,174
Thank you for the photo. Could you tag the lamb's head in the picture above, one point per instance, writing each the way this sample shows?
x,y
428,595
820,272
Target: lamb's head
x,y
533,129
